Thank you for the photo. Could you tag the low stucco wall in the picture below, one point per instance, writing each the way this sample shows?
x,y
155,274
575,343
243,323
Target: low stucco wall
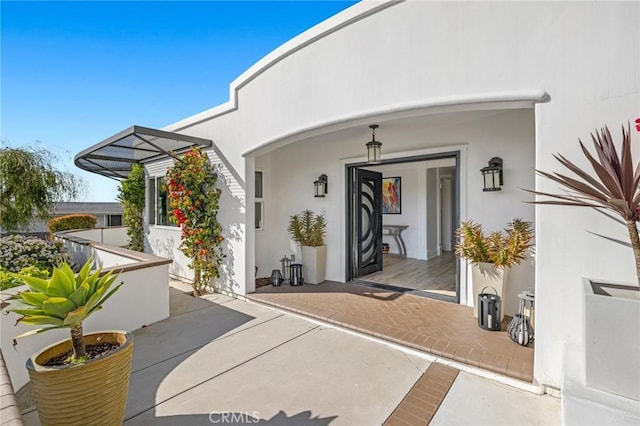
x,y
143,299
113,236
8,407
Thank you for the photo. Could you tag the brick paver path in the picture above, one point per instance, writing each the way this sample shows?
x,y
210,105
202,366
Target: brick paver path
x,y
441,328
419,406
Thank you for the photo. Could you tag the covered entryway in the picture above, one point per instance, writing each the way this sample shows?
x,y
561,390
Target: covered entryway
x,y
436,157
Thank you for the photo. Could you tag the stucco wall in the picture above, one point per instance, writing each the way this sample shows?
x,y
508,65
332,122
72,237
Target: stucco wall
x,y
387,59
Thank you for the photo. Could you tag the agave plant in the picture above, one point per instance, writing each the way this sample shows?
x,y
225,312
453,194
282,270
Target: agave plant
x,y
503,249
64,300
614,184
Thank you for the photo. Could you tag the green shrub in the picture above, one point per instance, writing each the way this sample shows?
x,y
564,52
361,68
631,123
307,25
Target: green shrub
x,y
131,195
10,279
19,251
72,221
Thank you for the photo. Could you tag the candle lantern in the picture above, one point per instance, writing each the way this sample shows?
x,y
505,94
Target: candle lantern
x,y
276,278
286,268
520,329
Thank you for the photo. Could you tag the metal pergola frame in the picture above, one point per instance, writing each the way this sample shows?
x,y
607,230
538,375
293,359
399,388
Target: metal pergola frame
x,y
115,156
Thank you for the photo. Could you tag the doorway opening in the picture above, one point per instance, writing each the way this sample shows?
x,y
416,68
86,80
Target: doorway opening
x,y
401,219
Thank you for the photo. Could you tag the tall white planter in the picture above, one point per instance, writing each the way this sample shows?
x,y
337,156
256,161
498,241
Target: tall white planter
x,y
314,262
612,337
485,276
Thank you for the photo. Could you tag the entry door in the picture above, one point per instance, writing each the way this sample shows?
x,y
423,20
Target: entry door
x,y
368,222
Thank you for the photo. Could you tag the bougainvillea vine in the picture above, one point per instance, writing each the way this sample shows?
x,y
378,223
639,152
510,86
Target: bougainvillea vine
x,y
194,200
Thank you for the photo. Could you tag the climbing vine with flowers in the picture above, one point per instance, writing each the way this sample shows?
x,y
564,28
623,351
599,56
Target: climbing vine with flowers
x,y
195,201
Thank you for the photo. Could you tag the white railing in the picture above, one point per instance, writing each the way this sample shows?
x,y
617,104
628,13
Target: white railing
x,y
142,300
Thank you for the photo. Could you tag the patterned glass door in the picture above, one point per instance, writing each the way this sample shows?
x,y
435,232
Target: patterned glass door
x,y
368,221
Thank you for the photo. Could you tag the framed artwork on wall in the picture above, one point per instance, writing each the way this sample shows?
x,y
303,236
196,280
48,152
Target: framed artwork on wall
x,y
391,195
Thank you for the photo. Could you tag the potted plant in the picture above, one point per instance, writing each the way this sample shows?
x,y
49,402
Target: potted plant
x,y
612,359
492,256
308,230
83,380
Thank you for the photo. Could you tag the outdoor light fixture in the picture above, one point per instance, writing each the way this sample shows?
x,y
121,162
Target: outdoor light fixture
x,y
374,147
492,175
320,186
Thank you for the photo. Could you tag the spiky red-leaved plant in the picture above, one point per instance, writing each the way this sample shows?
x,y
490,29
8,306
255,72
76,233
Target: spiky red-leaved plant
x,y
613,185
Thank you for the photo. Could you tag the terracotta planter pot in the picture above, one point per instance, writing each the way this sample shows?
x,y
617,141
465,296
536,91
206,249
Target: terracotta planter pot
x,y
91,393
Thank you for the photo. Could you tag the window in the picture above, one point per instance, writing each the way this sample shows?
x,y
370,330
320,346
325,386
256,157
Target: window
x,y
259,209
114,220
159,209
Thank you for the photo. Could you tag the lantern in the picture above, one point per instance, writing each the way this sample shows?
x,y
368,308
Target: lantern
x,y
286,267
492,175
320,186
374,147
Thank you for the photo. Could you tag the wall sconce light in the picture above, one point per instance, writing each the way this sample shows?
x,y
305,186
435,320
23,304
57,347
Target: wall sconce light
x,y
492,175
374,147
321,186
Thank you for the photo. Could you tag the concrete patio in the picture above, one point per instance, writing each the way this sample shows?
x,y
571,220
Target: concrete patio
x,y
222,360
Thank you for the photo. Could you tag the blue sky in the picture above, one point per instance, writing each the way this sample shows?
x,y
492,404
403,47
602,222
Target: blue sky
x,y
74,73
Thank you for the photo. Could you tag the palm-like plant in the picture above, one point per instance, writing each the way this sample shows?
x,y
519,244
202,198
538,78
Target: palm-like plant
x,y
503,249
614,184
64,300
308,229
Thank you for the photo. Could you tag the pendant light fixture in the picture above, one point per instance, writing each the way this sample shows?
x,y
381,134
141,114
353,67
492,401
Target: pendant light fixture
x,y
374,147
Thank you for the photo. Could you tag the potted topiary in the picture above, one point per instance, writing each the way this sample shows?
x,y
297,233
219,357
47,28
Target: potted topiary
x,y
611,358
308,230
83,380
492,256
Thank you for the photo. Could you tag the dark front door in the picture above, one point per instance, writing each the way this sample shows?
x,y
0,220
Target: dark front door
x,y
368,222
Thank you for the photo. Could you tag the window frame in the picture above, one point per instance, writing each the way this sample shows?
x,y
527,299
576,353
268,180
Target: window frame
x,y
155,184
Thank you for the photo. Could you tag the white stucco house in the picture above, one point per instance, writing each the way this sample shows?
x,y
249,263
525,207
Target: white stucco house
x,y
451,85
106,213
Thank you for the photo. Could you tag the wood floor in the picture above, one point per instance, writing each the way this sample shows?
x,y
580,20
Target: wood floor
x,y
437,275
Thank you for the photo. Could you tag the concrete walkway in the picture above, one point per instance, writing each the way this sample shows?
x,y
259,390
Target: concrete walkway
x,y
226,361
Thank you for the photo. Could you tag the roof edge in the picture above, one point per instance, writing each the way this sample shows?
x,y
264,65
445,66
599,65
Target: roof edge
x,y
330,25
